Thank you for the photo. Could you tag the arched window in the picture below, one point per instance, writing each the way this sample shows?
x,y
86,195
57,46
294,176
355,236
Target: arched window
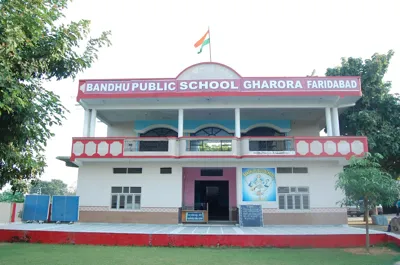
x,y
210,145
212,131
160,132
263,131
156,146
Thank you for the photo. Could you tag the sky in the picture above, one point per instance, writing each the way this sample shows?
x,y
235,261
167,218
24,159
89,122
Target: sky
x,y
155,38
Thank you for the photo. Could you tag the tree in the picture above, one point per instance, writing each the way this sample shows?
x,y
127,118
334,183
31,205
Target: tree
x,y
376,114
9,196
364,180
53,187
71,190
35,47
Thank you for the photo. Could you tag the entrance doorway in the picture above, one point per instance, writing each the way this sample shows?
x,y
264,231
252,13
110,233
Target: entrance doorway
x,y
216,194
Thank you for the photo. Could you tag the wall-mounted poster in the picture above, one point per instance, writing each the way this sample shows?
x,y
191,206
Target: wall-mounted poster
x,y
258,184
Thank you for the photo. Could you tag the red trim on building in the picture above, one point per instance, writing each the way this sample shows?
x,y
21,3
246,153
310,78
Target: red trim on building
x,y
176,240
269,93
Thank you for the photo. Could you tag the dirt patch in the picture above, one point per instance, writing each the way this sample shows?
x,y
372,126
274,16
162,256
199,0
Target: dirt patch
x,y
372,251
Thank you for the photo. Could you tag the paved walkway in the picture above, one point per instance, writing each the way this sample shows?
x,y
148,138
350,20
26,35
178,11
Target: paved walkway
x,y
189,229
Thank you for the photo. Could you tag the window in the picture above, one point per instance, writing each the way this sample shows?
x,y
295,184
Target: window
x,y
214,145
134,170
300,170
284,170
212,131
212,172
166,170
119,170
263,131
126,198
156,146
129,170
283,189
160,132
293,198
264,145
290,170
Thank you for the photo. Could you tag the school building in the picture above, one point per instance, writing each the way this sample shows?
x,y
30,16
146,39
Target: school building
x,y
195,147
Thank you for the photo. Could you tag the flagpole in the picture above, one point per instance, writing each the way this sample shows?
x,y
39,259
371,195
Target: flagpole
x,y
209,45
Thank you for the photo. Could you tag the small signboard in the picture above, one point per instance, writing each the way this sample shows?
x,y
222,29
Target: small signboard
x,y
194,216
251,215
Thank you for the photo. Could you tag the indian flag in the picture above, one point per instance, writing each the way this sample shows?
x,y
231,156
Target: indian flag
x,y
203,41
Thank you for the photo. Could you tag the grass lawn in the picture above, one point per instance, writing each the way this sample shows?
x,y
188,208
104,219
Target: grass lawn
x,y
35,254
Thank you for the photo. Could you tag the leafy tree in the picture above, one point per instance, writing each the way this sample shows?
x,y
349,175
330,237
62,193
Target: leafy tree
x,y
9,196
364,179
35,46
53,187
71,190
376,114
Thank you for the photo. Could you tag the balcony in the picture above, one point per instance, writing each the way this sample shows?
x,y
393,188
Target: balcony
x,y
208,147
269,146
221,147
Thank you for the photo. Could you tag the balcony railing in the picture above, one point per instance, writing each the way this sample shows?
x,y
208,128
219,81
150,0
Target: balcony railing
x,y
267,146
208,146
150,146
186,147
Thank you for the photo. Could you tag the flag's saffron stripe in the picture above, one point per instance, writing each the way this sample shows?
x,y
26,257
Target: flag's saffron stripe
x,y
200,41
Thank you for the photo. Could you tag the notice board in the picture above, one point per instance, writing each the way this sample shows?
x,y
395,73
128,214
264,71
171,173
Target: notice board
x,y
250,215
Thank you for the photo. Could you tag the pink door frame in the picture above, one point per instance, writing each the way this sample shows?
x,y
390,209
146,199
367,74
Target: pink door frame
x,y
191,174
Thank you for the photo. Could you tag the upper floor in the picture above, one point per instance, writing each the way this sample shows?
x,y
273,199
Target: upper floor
x,y
209,110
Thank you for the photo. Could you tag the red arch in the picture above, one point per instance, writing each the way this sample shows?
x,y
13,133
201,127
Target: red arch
x,y
223,65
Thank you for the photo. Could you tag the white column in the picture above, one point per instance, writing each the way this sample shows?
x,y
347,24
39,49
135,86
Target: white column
x,y
86,123
335,122
180,123
237,123
93,123
328,119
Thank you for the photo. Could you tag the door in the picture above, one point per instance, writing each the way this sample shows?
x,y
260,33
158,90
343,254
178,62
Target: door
x,y
216,195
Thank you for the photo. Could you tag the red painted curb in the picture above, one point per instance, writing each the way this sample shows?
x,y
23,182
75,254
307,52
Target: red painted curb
x,y
392,239
165,240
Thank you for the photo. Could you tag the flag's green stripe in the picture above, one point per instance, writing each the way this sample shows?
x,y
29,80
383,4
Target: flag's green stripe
x,y
207,41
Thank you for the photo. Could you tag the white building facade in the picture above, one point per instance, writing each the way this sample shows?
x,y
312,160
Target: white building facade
x,y
212,139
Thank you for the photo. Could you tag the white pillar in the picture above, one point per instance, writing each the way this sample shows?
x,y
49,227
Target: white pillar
x,y
180,123
93,123
86,123
328,119
335,122
237,123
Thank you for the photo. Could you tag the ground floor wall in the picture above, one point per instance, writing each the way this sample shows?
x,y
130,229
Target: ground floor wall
x,y
160,194
10,212
156,191
5,212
